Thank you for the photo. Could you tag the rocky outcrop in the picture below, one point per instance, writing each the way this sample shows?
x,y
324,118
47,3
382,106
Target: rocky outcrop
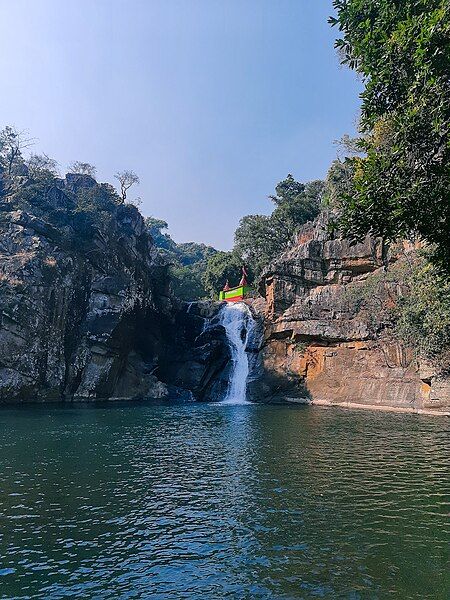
x,y
84,304
197,360
86,313
320,346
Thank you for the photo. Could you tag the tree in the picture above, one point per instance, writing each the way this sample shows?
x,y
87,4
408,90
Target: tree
x,y
259,239
188,260
221,267
339,182
126,180
287,190
401,186
82,168
12,144
191,253
155,227
187,282
41,165
299,209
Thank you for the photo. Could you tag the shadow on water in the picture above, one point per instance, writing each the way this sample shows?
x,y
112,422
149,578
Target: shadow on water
x,y
170,500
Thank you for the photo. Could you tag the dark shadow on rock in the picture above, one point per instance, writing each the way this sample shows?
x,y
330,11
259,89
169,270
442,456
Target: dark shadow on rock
x,y
197,360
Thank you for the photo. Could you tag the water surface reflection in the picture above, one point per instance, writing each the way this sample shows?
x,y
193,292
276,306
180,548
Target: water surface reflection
x,y
200,501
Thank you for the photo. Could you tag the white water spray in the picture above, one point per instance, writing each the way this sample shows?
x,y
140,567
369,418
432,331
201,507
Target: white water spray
x,y
238,322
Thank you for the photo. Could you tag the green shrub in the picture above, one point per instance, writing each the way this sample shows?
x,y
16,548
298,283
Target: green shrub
x,y
422,315
409,302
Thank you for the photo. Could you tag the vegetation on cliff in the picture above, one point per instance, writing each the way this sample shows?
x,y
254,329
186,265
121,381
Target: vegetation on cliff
x,y
84,302
422,317
222,267
200,271
399,184
394,181
77,206
409,302
260,239
188,261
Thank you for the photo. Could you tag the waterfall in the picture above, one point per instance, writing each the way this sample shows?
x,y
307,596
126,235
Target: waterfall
x,y
238,323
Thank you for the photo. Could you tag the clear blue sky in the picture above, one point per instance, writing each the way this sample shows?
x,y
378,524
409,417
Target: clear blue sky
x,y
211,102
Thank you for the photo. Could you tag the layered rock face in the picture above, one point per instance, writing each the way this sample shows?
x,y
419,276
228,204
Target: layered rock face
x,y
86,313
319,346
85,306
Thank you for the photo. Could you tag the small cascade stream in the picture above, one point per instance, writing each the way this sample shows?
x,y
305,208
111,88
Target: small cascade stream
x,y
238,323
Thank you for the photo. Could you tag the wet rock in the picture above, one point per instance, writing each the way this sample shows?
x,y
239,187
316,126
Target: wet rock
x,y
198,359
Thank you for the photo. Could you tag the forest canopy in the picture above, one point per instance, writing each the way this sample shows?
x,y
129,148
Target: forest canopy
x,y
400,185
187,261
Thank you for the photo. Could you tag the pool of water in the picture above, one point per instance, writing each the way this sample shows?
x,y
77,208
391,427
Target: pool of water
x,y
194,501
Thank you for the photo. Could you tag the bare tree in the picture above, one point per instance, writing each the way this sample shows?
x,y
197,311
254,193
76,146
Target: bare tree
x,y
39,164
137,202
126,180
82,168
12,144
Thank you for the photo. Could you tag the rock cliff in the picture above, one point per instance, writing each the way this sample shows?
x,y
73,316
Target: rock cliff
x,y
84,303
320,346
86,313
198,359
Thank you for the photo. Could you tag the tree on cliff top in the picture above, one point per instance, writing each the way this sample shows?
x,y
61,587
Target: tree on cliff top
x,y
261,238
126,180
287,190
401,186
12,144
82,168
41,165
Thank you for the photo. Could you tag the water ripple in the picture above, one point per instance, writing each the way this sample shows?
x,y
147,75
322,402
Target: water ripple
x,y
210,502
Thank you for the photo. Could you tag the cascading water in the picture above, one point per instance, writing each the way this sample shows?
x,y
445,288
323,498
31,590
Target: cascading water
x,y
238,323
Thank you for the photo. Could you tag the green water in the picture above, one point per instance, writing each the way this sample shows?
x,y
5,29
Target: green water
x,y
208,501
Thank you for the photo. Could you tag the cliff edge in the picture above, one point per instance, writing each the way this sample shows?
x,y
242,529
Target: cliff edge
x,y
322,346
84,302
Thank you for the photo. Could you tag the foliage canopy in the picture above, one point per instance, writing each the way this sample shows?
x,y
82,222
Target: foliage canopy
x,y
401,186
221,267
188,260
261,238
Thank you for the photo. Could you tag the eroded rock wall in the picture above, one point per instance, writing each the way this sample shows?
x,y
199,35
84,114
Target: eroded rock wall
x,y
317,346
198,359
79,319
